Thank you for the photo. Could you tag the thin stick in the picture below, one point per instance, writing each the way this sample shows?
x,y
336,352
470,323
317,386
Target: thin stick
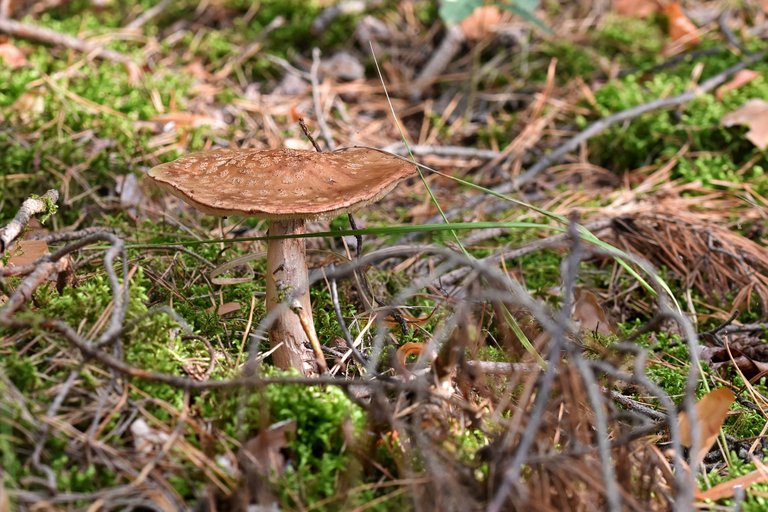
x,y
340,318
399,148
309,330
48,36
598,127
314,72
149,14
32,206
308,135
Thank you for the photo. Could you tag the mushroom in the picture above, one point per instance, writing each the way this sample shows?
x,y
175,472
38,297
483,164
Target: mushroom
x,y
287,187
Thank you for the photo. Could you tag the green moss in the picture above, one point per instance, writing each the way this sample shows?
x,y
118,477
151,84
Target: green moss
x,y
632,41
320,455
573,60
717,152
668,365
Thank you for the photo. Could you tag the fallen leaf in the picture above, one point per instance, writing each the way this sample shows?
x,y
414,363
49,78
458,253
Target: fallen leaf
x,y
636,8
726,489
753,114
681,28
711,411
12,56
749,354
262,454
740,79
27,251
590,315
481,22
225,309
408,350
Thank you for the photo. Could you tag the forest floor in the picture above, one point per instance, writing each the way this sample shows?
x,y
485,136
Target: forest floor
x,y
565,309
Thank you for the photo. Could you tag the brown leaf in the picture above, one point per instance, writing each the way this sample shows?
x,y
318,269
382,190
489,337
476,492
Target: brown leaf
x,y
681,28
12,56
27,251
590,315
407,350
635,8
747,353
481,22
753,114
261,455
740,79
225,309
711,411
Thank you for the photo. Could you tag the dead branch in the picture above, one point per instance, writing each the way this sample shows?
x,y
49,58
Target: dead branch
x,y
32,206
319,111
53,38
598,127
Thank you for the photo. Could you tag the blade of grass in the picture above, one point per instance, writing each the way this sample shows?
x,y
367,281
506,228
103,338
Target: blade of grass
x,y
432,196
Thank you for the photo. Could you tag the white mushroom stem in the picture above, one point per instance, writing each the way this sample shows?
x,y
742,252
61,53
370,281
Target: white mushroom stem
x,y
287,278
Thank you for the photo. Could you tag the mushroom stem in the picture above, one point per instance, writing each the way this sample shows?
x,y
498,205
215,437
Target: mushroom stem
x,y
287,278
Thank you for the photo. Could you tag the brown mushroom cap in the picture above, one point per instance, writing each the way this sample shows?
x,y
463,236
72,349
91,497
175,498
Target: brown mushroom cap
x,y
281,183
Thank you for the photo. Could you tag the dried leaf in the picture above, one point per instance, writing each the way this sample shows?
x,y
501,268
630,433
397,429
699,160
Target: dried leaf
x,y
753,114
261,455
590,315
711,411
27,251
726,489
747,353
635,8
225,309
407,350
740,79
681,28
12,56
481,22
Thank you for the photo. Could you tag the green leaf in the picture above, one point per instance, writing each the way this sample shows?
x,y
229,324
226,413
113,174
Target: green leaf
x,y
453,11
525,9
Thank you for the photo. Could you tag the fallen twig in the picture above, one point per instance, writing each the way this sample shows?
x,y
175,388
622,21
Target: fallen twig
x,y
599,126
48,36
147,15
30,207
319,114
401,149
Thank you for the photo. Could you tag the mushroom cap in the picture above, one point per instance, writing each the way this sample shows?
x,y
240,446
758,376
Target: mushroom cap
x,y
281,183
